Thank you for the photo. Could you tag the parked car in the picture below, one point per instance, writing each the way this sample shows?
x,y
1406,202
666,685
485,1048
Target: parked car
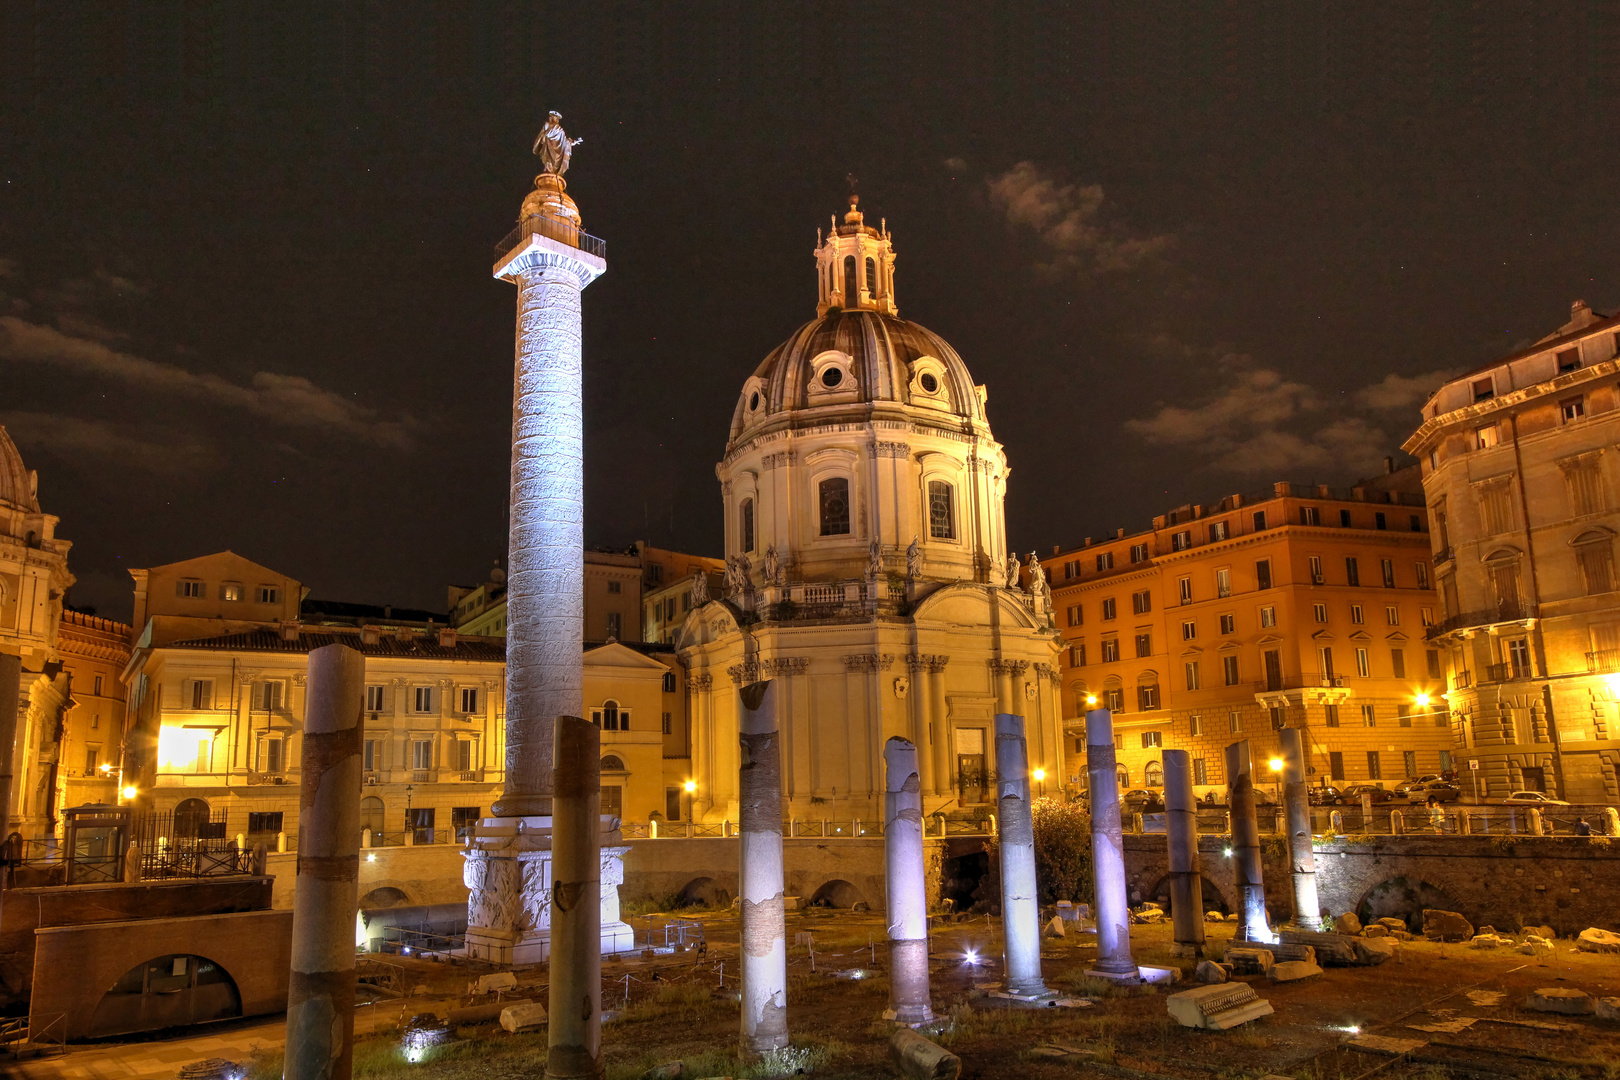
x,y
1534,798
1438,790
1263,797
1354,792
1142,801
1326,795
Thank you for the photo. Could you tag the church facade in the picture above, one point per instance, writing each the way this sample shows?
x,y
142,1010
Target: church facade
x,y
867,562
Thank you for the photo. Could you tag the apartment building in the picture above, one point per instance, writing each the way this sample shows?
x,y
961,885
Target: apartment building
x,y
1520,475
1305,608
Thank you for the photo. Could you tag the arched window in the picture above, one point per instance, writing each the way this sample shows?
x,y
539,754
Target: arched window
x,y
613,763
1594,552
834,499
941,511
747,524
610,717
190,819
1124,774
871,277
1503,568
1153,775
850,292
372,814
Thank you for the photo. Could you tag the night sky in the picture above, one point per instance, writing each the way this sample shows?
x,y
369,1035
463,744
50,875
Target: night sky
x,y
245,298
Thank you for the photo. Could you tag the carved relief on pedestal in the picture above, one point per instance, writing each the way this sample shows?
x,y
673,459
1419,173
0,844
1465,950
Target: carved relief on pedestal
x,y
493,881
534,911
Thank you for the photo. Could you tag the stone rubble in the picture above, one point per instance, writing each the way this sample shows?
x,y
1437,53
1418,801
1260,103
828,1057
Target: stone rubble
x,y
1209,972
525,1016
1557,999
1448,926
1597,941
1294,970
1347,923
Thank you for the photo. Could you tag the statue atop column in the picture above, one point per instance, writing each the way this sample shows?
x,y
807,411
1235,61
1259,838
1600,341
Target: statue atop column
x,y
700,589
554,147
1012,570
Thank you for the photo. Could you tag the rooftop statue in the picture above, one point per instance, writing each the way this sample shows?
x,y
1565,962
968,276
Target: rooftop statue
x,y
553,146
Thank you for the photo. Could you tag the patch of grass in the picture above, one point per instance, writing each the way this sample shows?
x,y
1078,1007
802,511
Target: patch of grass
x,y
806,1055
676,1001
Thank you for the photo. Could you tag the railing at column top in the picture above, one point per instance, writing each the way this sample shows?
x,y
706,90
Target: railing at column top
x,y
552,228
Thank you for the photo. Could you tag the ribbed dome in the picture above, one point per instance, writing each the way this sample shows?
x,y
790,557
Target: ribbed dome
x,y
15,487
863,358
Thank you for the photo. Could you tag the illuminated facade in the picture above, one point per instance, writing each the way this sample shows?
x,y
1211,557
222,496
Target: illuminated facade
x,y
865,542
1520,474
1305,608
94,652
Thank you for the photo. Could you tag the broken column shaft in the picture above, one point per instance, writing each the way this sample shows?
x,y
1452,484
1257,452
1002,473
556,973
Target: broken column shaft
x,y
764,920
1020,900
1108,850
905,884
574,1004
1301,850
320,995
1186,881
1246,871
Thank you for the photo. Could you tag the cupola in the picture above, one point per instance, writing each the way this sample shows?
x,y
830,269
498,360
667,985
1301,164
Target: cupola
x,y
855,266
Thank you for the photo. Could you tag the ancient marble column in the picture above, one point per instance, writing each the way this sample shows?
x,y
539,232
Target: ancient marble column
x,y
764,920
574,1006
1301,849
1113,913
320,995
1246,866
1020,897
905,884
1186,882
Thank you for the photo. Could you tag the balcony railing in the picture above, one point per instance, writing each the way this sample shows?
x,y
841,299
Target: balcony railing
x,y
1501,613
1445,555
1604,660
1301,682
1462,680
552,228
1507,672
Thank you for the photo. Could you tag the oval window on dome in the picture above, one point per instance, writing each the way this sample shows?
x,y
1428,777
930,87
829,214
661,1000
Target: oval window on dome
x,y
831,377
929,384
753,402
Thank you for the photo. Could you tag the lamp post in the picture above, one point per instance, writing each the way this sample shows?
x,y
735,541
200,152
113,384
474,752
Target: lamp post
x,y
410,833
1276,764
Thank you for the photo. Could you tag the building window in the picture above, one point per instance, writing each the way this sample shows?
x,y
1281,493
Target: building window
x,y
1147,697
1368,717
1422,570
464,755
1330,715
1105,561
1516,652
1433,656
1569,360
1352,571
1397,663
1192,674
1320,611
369,756
1229,669
1223,582
672,803
1427,615
230,590
1141,602
1585,483
1139,553
1484,389
1259,521
374,699
1234,721
1228,624
1075,618
941,514
1278,718
1594,552
1268,616
1380,521
1071,570
1387,567
1110,609
1335,765
1504,574
1344,519
1110,650
1195,725
1144,645
1185,590
202,694
1310,515
91,755
196,590
1077,655
269,594
1374,772
1181,541
669,682
1392,615
1572,409
1315,564
1496,507
421,754
269,696
615,625
871,277
669,724
264,823
1403,714
1217,531
1189,630
851,293
423,699
1355,614
835,506
1262,574
1362,668
1200,771
469,700
272,754
98,686
1152,740
1414,523
1485,437
464,819
1114,701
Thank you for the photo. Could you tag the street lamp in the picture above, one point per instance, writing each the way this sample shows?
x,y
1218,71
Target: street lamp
x,y
130,792
1276,776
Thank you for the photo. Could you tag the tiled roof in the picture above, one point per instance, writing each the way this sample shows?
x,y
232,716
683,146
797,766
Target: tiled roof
x,y
421,646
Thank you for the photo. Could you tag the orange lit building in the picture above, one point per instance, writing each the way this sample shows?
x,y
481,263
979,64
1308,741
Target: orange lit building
x,y
1303,608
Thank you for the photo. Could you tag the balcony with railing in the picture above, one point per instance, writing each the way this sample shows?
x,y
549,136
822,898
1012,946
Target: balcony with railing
x,y
552,228
1328,688
1444,555
1508,672
1517,611
1603,661
1462,680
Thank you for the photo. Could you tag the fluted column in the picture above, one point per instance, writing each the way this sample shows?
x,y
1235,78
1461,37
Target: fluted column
x,y
1301,848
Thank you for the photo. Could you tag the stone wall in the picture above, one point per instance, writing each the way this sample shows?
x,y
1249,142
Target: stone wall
x,y
656,869
1568,883
425,874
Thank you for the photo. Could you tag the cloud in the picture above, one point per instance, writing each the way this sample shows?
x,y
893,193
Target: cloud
x,y
1069,222
1404,392
956,164
1256,396
291,400
97,442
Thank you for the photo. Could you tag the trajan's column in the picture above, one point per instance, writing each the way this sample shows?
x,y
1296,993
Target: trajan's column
x,y
551,259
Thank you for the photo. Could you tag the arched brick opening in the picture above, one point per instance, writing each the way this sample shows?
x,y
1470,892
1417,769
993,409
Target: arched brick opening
x,y
385,896
167,991
703,891
1401,897
1216,896
837,893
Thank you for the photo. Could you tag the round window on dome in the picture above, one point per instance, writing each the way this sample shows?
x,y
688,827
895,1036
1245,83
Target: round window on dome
x,y
929,384
753,402
831,377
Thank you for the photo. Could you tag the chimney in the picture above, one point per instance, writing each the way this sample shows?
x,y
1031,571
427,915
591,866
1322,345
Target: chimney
x,y
447,637
1282,488
370,635
1389,465
289,631
1119,534
1056,548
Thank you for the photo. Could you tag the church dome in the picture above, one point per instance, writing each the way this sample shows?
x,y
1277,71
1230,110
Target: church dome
x,y
16,484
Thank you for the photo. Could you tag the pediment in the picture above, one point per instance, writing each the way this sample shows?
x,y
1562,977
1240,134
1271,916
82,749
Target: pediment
x,y
622,658
971,604
1322,635
1361,635
711,622
1396,636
